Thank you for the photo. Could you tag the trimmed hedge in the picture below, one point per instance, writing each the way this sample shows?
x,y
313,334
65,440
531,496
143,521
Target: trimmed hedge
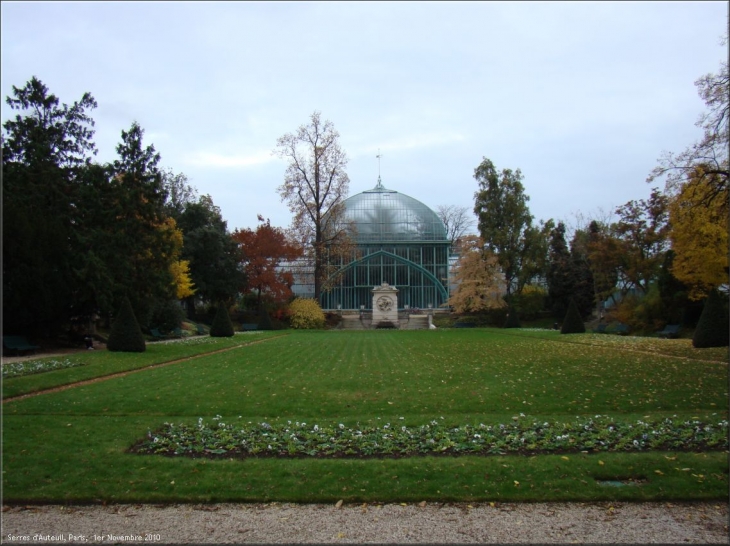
x,y
712,328
125,335
222,325
573,322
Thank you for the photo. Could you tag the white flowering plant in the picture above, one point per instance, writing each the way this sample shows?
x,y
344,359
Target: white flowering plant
x,y
523,435
29,367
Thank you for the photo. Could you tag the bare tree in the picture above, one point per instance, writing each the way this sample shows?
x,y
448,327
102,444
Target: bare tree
x,y
315,187
711,151
458,221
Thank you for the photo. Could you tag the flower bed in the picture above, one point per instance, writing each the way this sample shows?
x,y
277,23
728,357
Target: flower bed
x,y
522,436
19,369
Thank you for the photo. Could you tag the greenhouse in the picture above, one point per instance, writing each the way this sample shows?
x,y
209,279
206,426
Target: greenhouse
x,y
399,241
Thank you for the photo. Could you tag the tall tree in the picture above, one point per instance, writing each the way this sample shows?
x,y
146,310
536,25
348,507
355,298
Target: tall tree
x,y
315,187
604,260
559,274
501,207
457,220
212,253
144,235
45,147
699,235
711,151
178,192
642,230
583,290
480,283
263,251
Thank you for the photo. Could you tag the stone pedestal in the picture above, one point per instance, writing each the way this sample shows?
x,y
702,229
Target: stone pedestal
x,y
385,304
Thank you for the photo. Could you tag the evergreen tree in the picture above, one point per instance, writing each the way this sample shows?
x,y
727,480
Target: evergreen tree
x,y
265,319
583,286
44,148
222,325
559,273
573,323
213,254
712,328
125,335
143,235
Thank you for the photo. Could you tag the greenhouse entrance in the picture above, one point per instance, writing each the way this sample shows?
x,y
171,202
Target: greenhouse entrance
x,y
419,288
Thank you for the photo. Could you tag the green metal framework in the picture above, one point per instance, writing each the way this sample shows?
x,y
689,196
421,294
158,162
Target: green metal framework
x,y
399,241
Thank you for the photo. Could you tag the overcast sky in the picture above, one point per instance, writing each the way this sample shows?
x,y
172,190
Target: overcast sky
x,y
582,97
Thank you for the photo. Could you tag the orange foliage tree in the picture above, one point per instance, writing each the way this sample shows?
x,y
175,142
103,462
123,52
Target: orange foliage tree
x,y
264,251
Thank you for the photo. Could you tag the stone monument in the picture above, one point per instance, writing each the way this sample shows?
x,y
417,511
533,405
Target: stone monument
x,y
385,304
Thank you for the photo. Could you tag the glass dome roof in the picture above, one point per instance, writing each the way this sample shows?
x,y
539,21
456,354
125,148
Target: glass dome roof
x,y
383,215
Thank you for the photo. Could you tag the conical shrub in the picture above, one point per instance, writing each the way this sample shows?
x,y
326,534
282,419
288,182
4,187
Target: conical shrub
x,y
265,320
125,334
222,325
712,328
573,322
513,319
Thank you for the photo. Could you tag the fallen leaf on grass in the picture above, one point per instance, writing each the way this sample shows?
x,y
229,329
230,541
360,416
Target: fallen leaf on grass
x,y
339,504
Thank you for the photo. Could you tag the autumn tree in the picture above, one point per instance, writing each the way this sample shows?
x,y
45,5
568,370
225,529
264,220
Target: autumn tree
x,y
702,171
711,151
263,251
642,231
503,217
699,234
315,187
479,280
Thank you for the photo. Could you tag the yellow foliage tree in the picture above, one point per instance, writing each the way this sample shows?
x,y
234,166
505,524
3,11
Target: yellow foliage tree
x,y
180,270
479,278
699,234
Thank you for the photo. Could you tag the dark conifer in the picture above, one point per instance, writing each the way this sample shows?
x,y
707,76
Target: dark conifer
x,y
125,334
573,323
222,325
712,328
265,320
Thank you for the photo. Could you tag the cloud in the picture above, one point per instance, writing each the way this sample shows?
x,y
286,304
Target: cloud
x,y
234,161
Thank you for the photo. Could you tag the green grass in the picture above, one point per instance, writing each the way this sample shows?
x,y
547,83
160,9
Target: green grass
x,y
100,363
72,445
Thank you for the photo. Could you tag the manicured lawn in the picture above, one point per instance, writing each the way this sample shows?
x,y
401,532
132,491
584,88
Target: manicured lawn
x,y
73,445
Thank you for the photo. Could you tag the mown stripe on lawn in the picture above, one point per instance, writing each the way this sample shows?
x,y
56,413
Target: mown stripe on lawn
x,y
128,372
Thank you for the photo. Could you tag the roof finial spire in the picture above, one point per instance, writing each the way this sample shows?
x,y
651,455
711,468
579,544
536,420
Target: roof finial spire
x,y
380,182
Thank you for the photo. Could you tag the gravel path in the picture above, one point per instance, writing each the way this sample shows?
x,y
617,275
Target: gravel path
x,y
433,523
